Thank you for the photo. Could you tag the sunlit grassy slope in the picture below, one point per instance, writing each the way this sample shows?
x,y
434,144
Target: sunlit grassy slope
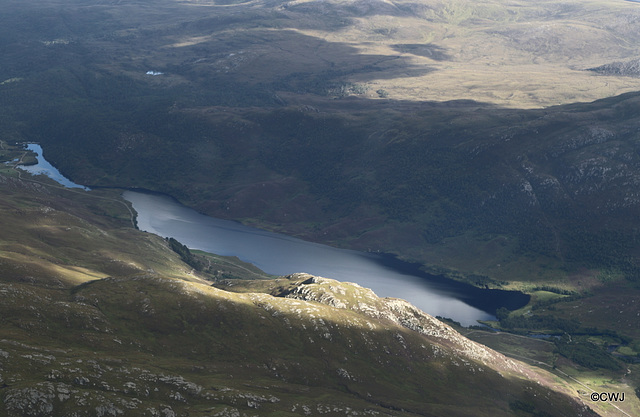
x,y
49,239
348,122
512,53
99,318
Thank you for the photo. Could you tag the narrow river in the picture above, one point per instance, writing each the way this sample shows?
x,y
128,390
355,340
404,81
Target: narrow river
x,y
43,167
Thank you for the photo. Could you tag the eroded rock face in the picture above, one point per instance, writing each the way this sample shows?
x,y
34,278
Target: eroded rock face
x,y
625,68
35,401
400,312
203,348
101,390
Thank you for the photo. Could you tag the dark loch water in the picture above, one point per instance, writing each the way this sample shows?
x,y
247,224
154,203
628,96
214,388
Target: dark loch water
x,y
280,255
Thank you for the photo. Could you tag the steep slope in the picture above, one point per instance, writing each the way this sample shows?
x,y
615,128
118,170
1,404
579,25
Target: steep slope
x,y
97,318
508,194
308,117
56,238
135,344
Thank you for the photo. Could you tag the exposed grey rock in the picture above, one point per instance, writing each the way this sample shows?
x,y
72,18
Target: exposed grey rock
x,y
180,383
627,68
32,401
108,410
167,412
402,313
81,380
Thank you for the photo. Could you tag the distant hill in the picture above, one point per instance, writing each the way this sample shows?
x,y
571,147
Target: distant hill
x,y
470,137
516,54
354,123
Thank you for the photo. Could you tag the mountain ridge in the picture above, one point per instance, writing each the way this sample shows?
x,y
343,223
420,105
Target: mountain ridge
x,y
471,137
134,340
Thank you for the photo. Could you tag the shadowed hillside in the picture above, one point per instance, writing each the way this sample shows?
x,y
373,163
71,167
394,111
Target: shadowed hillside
x,y
495,142
308,117
118,325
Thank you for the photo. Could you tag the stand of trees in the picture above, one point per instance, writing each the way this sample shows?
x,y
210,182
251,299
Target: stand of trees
x,y
185,254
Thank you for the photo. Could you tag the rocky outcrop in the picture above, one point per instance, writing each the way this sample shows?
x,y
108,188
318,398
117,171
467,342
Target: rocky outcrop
x,y
402,313
624,68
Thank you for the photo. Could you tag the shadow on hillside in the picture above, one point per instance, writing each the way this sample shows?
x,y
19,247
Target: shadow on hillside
x,y
434,52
